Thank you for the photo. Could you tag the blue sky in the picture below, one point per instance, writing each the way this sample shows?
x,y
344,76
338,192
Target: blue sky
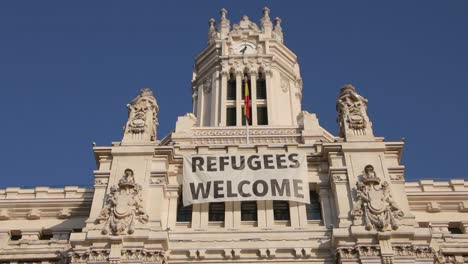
x,y
68,68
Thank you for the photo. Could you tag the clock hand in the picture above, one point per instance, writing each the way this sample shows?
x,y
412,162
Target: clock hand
x,y
243,50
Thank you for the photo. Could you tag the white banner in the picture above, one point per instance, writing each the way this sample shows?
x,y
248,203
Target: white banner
x,y
225,177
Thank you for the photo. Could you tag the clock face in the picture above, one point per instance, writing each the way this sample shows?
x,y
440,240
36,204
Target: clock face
x,y
245,48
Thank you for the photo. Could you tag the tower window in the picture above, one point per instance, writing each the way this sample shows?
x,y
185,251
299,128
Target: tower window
x,y
261,86
216,212
15,235
455,228
249,211
262,115
314,210
249,88
184,214
281,210
231,87
231,116
46,235
243,116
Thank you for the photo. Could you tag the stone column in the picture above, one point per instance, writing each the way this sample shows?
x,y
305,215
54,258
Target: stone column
x,y
269,96
224,76
238,98
201,105
253,82
326,205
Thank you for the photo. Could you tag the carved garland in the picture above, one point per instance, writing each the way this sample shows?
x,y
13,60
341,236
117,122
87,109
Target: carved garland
x,y
374,203
123,207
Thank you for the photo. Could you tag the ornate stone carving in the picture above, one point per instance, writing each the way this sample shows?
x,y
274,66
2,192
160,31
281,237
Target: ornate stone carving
x,y
352,113
346,253
142,117
212,34
284,83
143,255
374,203
89,255
277,30
123,207
207,86
340,178
368,251
238,136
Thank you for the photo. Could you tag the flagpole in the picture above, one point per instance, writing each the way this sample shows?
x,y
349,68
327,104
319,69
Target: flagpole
x,y
246,109
247,130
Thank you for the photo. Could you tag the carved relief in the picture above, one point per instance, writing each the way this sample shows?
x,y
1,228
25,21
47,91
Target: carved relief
x,y
340,178
142,116
352,111
284,83
153,256
347,253
374,203
89,255
207,86
123,207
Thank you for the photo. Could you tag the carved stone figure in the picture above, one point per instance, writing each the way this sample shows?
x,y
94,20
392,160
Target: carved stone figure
x,y
374,203
123,206
352,113
369,172
142,117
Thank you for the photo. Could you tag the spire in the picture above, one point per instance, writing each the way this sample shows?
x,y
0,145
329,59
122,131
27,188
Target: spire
x,y
212,34
265,22
278,31
224,24
142,119
353,121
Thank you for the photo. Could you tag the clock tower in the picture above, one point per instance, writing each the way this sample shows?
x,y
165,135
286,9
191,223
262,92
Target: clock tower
x,y
246,57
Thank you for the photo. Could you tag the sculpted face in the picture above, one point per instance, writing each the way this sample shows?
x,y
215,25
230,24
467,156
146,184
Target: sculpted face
x,y
128,173
369,169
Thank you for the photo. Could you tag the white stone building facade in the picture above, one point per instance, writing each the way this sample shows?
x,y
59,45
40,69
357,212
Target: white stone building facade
x,y
361,208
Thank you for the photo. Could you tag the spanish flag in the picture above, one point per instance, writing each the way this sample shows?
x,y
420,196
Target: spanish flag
x,y
246,101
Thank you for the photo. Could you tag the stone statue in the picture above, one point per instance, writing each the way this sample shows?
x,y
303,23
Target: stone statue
x,y
142,118
369,171
374,204
352,114
123,207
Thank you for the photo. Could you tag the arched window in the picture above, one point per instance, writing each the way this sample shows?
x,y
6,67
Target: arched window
x,y
184,213
231,86
261,85
281,210
249,211
314,210
216,212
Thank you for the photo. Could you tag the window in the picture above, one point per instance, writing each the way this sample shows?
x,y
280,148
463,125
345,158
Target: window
x,y
455,230
46,235
249,211
184,213
262,115
314,210
231,87
281,210
15,235
249,86
231,116
243,116
216,212
261,86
